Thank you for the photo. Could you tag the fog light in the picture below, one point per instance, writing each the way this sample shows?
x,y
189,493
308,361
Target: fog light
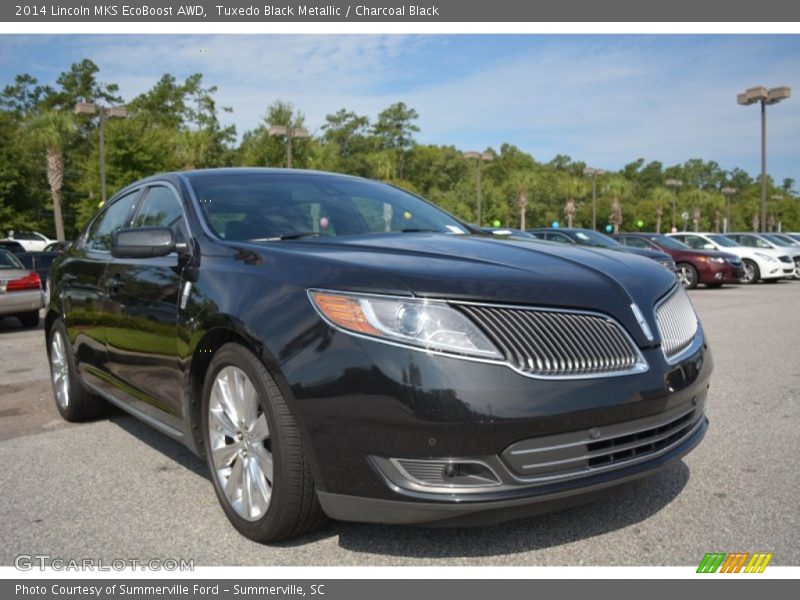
x,y
717,275
442,473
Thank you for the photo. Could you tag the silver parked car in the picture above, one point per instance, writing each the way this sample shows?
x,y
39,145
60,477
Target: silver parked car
x,y
773,241
21,292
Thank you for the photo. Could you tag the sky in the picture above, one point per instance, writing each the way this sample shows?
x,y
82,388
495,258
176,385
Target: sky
x,y
604,99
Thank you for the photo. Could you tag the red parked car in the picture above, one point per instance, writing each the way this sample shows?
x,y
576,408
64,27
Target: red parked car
x,y
693,266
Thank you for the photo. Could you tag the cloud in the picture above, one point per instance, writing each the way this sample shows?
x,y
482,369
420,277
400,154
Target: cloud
x,y
605,99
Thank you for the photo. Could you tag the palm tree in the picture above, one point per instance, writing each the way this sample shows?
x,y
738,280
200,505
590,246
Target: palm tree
x,y
663,197
50,130
616,186
571,187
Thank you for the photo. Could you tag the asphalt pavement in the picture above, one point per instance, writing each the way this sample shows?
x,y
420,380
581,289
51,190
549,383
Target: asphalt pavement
x,y
115,488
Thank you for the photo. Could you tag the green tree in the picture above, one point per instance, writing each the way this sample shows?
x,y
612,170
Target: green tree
x,y
50,130
79,84
395,127
260,149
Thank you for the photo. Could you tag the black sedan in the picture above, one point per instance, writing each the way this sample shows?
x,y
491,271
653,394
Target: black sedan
x,y
337,346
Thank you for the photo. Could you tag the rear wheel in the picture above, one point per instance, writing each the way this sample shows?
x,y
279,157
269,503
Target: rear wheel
x,y
30,319
687,275
72,400
751,272
254,452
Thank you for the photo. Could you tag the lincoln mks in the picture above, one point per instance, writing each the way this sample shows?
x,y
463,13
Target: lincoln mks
x,y
334,346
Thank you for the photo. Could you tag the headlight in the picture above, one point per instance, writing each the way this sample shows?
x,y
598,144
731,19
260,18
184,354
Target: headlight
x,y
766,257
419,323
718,259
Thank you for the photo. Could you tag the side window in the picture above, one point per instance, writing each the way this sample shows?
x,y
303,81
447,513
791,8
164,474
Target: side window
x,y
114,217
694,241
160,208
560,237
637,243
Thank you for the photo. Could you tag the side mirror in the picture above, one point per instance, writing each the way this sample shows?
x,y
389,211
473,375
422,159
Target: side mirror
x,y
708,246
142,242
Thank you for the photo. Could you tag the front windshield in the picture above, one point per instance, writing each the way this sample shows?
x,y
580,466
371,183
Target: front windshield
x,y
269,206
586,237
668,242
9,261
721,240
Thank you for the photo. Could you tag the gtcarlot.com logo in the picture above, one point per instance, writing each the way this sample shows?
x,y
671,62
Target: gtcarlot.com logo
x,y
736,562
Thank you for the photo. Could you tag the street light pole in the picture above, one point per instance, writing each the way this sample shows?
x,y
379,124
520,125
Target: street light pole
x,y
763,96
727,192
674,184
593,173
290,132
105,112
479,157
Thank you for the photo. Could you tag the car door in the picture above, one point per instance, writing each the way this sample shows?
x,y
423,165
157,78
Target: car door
x,y
80,288
143,297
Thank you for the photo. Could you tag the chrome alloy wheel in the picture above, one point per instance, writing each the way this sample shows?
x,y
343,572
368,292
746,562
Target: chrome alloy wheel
x,y
240,443
686,276
796,273
749,273
59,369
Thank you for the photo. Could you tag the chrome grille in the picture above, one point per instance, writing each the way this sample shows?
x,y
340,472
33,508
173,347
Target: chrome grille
x,y
583,453
677,323
550,343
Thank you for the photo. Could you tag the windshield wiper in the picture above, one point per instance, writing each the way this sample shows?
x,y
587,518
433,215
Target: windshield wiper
x,y
295,235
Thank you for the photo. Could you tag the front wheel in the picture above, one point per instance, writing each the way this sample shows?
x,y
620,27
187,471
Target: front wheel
x,y
687,275
751,272
254,452
796,274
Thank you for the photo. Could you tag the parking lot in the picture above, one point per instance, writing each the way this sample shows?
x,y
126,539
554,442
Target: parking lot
x,y
115,488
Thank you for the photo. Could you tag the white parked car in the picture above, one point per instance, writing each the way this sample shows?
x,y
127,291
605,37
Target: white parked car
x,y
32,241
766,264
769,240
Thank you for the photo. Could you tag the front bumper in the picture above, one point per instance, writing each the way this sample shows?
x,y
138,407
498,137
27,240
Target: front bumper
x,y
720,273
461,512
390,402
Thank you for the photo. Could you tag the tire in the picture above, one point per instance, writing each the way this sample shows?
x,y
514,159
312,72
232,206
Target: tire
x,y
73,401
796,274
260,446
751,272
687,275
29,319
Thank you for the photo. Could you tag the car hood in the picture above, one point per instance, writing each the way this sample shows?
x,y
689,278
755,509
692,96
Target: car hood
x,y
694,253
652,254
480,268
